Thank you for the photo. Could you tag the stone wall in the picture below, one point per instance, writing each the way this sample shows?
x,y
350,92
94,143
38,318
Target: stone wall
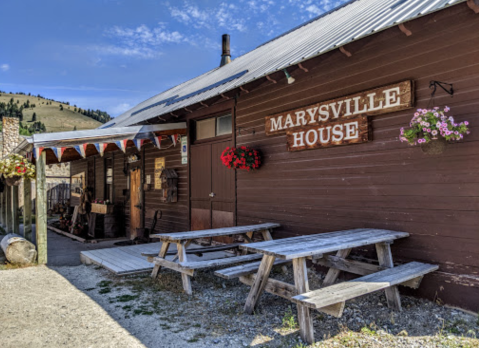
x,y
10,135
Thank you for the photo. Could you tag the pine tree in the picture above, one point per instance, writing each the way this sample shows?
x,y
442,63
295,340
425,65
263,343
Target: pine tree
x,y
34,117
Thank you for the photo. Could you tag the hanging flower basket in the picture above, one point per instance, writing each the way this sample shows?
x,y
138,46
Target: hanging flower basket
x,y
14,180
241,157
14,168
432,130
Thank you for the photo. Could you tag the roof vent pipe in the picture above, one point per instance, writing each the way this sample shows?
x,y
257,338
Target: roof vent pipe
x,y
225,55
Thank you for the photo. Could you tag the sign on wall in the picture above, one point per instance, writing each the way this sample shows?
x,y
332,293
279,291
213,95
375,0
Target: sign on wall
x,y
184,150
341,114
351,131
159,166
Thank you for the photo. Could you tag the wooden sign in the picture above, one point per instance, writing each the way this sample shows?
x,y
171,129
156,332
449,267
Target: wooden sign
x,y
377,101
351,131
159,166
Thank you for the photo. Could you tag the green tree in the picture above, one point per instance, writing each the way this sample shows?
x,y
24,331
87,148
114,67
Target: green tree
x,y
75,128
34,117
61,107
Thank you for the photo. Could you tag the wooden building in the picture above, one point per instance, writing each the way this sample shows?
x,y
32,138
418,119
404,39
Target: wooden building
x,y
375,181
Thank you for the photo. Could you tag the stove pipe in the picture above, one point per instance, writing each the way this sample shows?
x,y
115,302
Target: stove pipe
x,y
225,55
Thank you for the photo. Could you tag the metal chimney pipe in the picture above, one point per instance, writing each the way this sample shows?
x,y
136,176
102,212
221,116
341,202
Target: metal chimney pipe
x,y
225,55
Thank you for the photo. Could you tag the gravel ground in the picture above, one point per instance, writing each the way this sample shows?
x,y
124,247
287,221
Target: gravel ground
x,y
85,306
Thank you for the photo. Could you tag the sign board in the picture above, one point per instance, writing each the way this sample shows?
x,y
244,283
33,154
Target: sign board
x,y
184,150
159,166
345,132
377,101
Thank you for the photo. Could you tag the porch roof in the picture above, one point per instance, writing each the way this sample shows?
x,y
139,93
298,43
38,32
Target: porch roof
x,y
109,136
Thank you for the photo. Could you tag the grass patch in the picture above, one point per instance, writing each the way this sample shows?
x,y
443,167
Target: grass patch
x,y
104,291
125,298
289,320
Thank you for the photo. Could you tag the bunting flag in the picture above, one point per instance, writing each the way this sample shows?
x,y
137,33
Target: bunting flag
x,y
139,143
81,149
174,139
100,147
58,151
37,152
121,144
157,141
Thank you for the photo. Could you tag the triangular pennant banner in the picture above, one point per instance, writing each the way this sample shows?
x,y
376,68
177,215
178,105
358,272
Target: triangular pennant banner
x,y
157,141
37,152
139,143
174,139
81,149
58,151
121,144
100,147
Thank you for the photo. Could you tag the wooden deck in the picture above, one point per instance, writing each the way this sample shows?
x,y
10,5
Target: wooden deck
x,y
128,259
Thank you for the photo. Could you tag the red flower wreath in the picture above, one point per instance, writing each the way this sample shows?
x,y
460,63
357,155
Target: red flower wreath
x,y
241,157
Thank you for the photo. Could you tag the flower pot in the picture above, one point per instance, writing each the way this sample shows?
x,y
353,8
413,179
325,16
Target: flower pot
x,y
102,208
434,147
14,180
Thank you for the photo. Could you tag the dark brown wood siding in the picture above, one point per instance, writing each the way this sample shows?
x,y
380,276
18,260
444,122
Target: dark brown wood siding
x,y
383,183
174,216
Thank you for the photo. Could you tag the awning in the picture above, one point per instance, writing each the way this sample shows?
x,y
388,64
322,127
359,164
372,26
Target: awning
x,y
74,145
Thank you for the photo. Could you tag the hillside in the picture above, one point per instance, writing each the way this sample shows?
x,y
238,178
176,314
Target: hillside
x,y
55,120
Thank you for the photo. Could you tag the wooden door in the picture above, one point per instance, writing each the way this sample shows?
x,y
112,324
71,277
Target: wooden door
x,y
135,202
212,188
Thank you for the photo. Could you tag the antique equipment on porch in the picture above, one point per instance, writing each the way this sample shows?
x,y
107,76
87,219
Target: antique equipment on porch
x,y
169,186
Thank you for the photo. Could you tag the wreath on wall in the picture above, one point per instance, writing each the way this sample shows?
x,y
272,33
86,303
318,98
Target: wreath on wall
x,y
242,157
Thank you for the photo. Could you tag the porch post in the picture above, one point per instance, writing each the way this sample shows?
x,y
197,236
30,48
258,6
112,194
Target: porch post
x,y
15,218
9,227
41,209
27,209
2,208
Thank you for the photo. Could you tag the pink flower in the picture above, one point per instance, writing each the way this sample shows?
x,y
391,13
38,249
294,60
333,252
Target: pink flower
x,y
416,114
446,109
429,130
466,123
436,114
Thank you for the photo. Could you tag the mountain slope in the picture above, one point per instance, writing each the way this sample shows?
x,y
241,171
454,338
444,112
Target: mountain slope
x,y
55,120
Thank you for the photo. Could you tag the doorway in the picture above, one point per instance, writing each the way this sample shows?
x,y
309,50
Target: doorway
x,y
135,202
212,188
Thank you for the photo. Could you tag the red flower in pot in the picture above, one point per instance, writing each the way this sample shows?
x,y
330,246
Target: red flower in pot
x,y
242,157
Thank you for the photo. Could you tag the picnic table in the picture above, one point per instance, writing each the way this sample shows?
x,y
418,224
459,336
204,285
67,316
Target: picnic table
x,y
184,239
330,298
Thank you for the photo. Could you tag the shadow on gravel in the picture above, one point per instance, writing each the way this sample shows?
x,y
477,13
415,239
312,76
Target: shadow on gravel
x,y
159,315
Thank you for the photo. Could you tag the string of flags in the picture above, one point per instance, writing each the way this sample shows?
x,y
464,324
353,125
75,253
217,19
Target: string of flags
x,y
100,147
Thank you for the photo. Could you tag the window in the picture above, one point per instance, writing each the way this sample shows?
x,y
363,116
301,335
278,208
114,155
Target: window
x,y
109,179
214,127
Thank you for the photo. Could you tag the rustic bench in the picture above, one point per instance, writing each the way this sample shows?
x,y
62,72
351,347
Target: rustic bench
x,y
331,299
184,239
197,251
318,248
245,269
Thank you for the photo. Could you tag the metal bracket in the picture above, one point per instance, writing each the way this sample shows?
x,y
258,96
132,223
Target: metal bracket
x,y
433,85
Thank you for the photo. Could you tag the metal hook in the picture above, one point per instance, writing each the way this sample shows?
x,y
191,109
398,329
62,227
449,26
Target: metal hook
x,y
433,85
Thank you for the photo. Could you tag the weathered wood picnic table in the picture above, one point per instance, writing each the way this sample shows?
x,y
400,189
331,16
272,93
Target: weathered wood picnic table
x,y
184,239
330,298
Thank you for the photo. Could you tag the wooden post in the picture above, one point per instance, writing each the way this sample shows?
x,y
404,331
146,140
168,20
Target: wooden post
x,y
27,209
259,284
9,226
333,273
41,209
2,208
386,260
183,258
301,283
15,217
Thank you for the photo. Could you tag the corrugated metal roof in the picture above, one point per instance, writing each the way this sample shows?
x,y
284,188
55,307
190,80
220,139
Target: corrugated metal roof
x,y
350,22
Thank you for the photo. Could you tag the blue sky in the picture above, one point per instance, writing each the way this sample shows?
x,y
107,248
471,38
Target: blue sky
x,y
113,54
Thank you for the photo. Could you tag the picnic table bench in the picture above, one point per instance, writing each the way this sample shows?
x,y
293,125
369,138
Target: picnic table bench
x,y
184,239
330,298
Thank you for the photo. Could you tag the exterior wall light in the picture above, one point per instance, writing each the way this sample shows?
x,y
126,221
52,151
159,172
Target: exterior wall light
x,y
289,77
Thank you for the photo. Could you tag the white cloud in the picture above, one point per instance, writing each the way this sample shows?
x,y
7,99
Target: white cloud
x,y
4,67
222,16
140,42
